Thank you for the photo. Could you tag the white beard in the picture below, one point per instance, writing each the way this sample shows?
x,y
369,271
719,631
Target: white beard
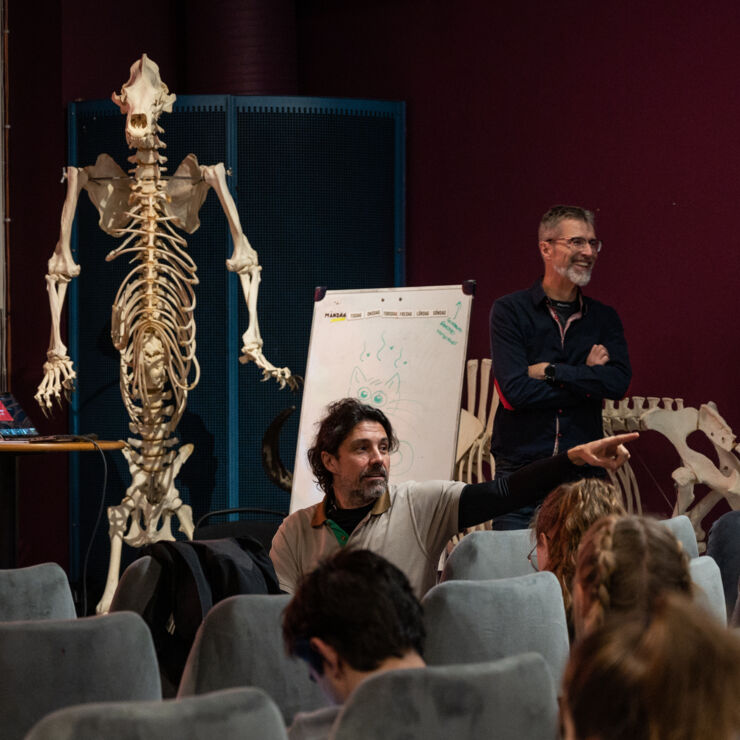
x,y
576,276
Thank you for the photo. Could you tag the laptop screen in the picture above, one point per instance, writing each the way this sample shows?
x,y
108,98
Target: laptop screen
x,y
14,424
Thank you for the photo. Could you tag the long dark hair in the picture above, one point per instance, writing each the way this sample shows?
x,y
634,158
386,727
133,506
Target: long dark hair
x,y
341,418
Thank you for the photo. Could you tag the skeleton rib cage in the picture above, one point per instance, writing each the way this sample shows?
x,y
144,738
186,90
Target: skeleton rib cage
x,y
153,322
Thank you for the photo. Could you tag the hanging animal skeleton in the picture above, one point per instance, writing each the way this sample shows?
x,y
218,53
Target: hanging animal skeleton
x,y
152,322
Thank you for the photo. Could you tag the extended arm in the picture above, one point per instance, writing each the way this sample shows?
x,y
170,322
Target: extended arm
x,y
480,502
58,369
245,264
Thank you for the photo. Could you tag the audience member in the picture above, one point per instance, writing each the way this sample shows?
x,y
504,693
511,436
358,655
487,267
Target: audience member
x,y
671,675
623,564
562,520
723,545
352,617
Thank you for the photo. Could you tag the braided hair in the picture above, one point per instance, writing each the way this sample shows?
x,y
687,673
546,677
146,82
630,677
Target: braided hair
x,y
670,674
624,563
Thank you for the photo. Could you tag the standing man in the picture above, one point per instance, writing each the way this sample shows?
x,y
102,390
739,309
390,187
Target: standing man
x,y
556,354
407,523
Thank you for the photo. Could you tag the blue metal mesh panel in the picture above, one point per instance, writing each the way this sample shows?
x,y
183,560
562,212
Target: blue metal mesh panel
x,y
316,190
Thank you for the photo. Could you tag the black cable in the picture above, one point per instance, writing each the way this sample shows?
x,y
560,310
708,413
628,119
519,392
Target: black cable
x,y
91,440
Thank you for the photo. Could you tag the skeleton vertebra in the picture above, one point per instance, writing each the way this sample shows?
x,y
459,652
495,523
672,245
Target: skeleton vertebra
x,y
676,424
152,322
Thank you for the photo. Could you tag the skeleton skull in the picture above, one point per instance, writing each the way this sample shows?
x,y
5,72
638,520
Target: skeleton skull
x,y
142,99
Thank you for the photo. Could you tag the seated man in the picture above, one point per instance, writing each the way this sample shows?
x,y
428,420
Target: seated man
x,y
408,523
352,617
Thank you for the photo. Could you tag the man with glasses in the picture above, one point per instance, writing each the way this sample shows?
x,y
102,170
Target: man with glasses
x,y
556,354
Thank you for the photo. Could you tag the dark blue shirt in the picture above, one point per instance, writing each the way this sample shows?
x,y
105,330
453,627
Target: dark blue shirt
x,y
536,419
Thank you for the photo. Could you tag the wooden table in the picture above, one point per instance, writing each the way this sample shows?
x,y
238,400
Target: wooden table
x,y
9,485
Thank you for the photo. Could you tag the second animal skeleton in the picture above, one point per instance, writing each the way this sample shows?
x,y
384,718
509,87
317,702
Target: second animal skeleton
x,y
152,324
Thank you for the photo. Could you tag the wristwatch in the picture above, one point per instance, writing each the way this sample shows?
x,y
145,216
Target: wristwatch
x,y
550,374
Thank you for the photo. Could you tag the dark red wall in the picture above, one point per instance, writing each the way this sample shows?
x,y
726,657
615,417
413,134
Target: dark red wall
x,y
628,108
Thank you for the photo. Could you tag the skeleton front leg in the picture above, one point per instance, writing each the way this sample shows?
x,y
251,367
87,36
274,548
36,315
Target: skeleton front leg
x,y
58,369
245,263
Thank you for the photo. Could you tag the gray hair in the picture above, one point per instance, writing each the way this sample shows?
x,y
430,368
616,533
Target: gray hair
x,y
556,214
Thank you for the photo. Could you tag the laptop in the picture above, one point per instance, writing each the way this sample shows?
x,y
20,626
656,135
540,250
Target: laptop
x,y
15,424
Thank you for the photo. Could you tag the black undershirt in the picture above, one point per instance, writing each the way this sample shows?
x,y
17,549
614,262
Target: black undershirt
x,y
347,519
480,502
564,309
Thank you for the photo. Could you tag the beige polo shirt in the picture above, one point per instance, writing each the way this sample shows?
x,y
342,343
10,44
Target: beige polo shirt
x,y
409,525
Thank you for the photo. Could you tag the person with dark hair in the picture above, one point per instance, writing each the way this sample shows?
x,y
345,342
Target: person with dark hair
x,y
408,523
354,616
556,354
672,673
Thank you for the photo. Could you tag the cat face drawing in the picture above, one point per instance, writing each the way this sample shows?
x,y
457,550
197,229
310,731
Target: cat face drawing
x,y
374,391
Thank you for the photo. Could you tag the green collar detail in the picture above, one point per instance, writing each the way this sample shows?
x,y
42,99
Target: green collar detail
x,y
339,533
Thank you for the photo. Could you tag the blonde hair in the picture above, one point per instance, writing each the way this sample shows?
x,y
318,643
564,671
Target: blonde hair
x,y
673,674
565,516
624,563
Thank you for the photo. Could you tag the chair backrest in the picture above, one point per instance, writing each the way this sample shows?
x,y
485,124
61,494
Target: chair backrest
x,y
38,592
508,699
683,529
235,714
482,556
137,585
240,643
46,665
710,593
262,529
474,621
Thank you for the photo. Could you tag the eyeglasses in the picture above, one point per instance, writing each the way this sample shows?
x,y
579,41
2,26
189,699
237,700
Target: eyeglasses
x,y
579,243
532,562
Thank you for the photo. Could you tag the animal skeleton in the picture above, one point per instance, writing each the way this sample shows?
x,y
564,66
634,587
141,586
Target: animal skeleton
x,y
152,322
676,424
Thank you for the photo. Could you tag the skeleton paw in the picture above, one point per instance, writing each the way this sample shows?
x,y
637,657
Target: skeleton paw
x,y
282,375
59,377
